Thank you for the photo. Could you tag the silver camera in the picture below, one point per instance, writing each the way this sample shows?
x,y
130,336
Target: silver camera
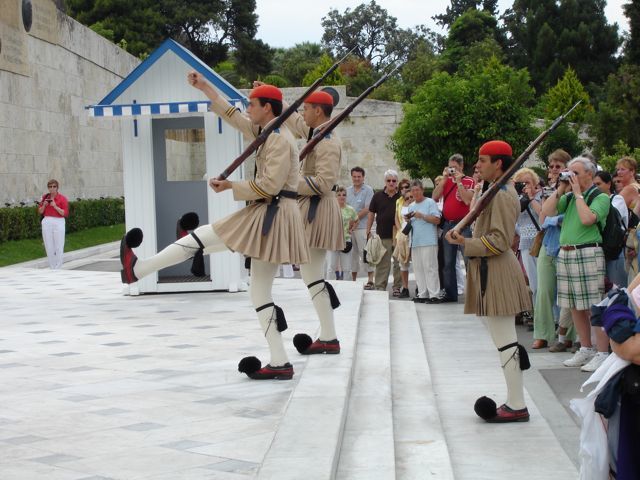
x,y
451,170
547,191
565,176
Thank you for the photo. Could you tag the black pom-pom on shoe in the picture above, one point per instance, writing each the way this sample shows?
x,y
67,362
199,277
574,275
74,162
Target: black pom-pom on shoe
x,y
189,221
249,365
485,408
302,341
133,238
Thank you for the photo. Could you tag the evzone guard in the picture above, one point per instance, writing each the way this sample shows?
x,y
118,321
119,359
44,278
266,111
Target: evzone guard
x,y
495,286
320,214
269,230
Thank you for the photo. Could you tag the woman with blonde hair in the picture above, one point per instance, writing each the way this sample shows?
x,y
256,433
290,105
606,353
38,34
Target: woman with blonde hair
x,y
527,226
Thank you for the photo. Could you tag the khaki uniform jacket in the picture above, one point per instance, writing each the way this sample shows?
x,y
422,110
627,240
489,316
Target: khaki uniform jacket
x,y
320,170
506,292
276,170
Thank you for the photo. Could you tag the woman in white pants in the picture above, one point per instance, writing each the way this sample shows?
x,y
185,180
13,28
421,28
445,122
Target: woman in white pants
x,y
54,207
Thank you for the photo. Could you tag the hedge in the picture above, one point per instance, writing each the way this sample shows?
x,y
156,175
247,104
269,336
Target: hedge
x,y
17,223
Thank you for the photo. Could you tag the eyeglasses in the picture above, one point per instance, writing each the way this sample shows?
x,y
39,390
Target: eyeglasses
x,y
391,180
52,186
555,166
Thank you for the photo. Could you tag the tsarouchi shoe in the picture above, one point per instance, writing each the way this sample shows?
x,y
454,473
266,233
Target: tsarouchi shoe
x,y
504,414
285,372
128,259
330,347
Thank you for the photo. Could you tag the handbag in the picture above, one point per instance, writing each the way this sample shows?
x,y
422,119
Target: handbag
x,y
534,250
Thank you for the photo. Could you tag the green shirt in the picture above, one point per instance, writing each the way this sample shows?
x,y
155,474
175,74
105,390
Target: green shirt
x,y
348,215
573,231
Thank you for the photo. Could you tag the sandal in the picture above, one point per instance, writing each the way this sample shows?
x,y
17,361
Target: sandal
x,y
396,292
369,286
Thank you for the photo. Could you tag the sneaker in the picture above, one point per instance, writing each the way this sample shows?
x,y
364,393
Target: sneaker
x,y
420,300
404,293
560,346
504,414
575,348
285,372
323,346
595,362
581,357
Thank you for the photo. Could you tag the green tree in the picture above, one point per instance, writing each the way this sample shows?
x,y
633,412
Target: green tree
x,y
336,77
458,7
373,33
473,37
209,28
457,113
564,95
620,149
295,62
547,36
617,117
632,45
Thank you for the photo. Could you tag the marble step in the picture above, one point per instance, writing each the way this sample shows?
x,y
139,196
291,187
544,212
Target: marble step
x,y
309,437
420,444
368,445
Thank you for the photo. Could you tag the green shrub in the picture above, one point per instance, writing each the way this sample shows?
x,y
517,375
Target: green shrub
x,y
18,223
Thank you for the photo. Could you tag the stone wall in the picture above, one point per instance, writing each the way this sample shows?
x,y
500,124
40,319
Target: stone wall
x,y
47,76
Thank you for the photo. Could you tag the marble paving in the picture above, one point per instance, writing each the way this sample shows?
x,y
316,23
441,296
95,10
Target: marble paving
x,y
98,385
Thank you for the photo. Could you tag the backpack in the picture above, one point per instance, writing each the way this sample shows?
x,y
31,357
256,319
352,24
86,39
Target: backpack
x,y
614,233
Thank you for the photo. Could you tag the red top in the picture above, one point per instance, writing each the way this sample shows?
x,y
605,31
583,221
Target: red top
x,y
61,202
454,209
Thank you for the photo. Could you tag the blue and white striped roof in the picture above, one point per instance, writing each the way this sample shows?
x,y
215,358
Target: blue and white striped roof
x,y
158,86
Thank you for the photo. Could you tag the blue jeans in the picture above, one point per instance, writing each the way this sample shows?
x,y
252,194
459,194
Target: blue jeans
x,y
450,253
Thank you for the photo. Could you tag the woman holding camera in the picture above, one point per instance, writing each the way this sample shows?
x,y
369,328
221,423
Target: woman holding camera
x,y
527,226
340,260
53,207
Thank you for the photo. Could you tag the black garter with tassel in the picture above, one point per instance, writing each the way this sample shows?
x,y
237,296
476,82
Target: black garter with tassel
x,y
281,321
525,364
333,296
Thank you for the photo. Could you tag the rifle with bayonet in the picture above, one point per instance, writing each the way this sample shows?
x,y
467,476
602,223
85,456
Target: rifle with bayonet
x,y
335,121
262,137
491,192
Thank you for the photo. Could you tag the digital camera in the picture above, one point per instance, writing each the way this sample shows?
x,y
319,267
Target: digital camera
x,y
520,187
451,170
547,191
565,176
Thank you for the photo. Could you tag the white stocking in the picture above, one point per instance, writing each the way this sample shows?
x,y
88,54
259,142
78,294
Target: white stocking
x,y
262,275
312,272
179,251
503,332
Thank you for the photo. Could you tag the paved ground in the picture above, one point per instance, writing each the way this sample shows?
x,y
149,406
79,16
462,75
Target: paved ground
x,y
102,386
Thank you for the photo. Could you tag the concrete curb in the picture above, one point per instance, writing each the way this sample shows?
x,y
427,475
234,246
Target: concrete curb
x,y
72,256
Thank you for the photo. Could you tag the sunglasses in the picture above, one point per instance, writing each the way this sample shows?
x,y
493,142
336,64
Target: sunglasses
x,y
391,180
52,186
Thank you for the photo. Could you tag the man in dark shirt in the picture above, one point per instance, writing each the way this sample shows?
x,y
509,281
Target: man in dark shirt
x,y
382,209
